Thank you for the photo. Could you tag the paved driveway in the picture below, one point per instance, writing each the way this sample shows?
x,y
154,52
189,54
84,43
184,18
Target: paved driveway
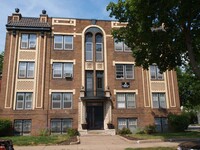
x,y
101,142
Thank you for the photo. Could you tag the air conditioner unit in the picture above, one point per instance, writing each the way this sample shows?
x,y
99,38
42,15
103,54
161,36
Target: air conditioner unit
x,y
68,75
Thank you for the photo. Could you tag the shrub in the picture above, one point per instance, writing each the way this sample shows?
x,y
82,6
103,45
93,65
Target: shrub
x,y
178,123
44,132
124,131
5,127
72,132
150,129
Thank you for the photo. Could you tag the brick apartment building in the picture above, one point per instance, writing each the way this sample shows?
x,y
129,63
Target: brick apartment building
x,y
64,72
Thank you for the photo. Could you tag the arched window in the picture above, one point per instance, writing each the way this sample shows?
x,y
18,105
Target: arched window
x,y
99,47
88,47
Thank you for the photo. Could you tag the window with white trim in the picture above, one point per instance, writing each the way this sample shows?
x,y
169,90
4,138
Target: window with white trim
x,y
161,124
62,100
120,46
159,100
126,100
99,47
63,42
62,70
130,123
124,71
22,127
88,47
24,101
60,126
155,73
28,41
26,70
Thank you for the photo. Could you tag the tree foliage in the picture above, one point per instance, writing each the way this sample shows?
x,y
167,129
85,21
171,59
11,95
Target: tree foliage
x,y
189,87
1,61
179,44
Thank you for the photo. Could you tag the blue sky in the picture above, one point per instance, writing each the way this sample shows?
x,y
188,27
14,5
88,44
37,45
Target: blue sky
x,y
88,9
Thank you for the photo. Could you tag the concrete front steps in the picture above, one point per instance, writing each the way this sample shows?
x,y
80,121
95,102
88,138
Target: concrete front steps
x,y
98,132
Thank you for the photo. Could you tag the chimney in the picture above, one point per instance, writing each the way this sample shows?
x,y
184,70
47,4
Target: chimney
x,y
43,16
16,16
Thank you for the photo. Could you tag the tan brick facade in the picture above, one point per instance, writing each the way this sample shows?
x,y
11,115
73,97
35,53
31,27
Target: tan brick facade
x,y
44,84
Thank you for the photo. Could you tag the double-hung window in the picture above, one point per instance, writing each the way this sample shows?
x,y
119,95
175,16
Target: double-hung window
x,y
62,70
124,71
130,123
24,101
63,42
155,73
99,47
61,100
126,100
159,100
60,126
22,127
121,46
28,41
26,69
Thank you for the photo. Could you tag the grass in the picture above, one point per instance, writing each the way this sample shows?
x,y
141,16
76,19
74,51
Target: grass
x,y
37,140
153,148
164,136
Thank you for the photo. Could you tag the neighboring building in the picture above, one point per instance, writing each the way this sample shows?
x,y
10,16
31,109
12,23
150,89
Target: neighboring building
x,y
63,72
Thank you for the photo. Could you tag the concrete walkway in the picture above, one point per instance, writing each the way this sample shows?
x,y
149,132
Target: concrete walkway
x,y
101,142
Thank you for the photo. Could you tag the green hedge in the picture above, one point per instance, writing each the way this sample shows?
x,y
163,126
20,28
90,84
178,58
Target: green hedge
x,y
5,127
179,123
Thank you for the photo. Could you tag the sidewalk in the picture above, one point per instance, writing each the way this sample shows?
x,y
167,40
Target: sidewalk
x,y
101,142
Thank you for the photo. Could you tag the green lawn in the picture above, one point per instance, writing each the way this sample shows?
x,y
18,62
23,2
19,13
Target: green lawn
x,y
37,140
164,136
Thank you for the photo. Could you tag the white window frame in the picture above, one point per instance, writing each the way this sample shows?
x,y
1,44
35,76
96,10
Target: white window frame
x,y
155,73
29,41
125,72
62,101
26,69
90,52
157,102
122,46
63,42
62,69
99,53
24,101
123,100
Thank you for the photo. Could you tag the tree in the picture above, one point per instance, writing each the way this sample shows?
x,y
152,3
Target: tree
x,y
1,61
158,31
189,87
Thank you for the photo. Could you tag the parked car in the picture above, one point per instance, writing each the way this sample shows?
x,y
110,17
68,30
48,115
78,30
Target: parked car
x,y
6,145
190,145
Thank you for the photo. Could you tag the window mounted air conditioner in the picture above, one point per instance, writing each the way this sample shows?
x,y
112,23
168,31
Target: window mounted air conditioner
x,y
68,75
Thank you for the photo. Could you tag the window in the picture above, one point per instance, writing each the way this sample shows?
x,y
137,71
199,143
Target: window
x,y
159,100
161,124
124,71
99,47
60,125
63,42
62,70
89,47
24,101
28,41
126,100
155,73
121,46
61,100
130,123
26,69
22,127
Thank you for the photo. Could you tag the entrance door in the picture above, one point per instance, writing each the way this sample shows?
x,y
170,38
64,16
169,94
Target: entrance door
x,y
95,115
